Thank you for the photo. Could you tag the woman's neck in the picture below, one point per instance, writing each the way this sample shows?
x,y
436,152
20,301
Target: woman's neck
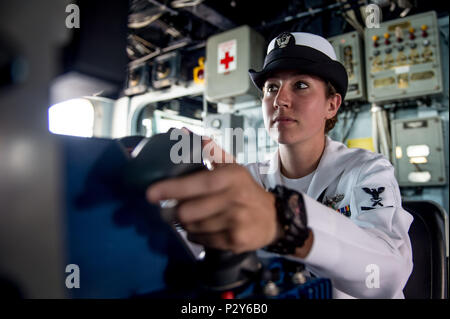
x,y
301,159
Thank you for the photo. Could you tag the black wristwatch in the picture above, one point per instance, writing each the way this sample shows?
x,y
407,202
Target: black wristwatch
x,y
291,215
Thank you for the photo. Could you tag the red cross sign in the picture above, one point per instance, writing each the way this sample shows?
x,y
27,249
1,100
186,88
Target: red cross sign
x,y
227,57
226,60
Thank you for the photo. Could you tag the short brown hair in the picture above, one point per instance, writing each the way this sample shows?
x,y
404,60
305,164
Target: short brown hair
x,y
330,91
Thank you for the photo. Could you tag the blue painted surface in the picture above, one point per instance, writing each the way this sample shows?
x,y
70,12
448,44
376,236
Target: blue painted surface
x,y
119,242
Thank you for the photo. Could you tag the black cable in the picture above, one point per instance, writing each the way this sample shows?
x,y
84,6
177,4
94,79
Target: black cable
x,y
355,115
356,9
445,36
344,124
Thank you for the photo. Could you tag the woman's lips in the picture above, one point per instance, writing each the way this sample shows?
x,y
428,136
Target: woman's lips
x,y
282,121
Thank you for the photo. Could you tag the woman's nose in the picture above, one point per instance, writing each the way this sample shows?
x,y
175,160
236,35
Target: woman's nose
x,y
283,97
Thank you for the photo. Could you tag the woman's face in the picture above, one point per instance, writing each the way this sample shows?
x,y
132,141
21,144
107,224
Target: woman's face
x,y
295,107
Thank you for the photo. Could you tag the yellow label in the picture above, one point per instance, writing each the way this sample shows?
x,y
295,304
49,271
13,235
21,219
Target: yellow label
x,y
402,25
402,81
384,82
422,76
199,71
364,143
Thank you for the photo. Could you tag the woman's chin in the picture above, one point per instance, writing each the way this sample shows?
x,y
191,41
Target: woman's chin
x,y
285,139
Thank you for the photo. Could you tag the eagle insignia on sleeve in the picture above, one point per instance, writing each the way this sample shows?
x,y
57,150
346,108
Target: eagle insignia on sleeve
x,y
371,197
376,199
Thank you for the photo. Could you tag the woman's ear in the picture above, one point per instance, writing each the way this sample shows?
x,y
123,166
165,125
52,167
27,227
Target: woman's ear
x,y
334,102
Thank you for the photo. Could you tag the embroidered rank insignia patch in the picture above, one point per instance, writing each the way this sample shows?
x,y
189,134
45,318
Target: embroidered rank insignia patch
x,y
373,197
345,211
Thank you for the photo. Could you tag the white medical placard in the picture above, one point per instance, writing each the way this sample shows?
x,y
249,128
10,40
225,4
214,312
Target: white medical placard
x,y
227,59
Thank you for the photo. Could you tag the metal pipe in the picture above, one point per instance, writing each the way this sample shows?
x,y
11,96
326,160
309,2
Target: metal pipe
x,y
312,12
374,110
144,58
163,7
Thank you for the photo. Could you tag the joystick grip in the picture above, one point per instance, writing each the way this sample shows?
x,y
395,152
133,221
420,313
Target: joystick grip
x,y
156,159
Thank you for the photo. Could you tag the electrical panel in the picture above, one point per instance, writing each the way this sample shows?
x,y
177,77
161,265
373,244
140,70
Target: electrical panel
x,y
418,152
349,51
229,56
166,70
403,58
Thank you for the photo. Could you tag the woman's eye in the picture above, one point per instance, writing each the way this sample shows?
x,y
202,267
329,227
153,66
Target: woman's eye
x,y
270,88
301,85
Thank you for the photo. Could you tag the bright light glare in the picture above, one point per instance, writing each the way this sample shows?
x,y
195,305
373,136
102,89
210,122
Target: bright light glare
x,y
417,150
418,160
398,152
147,123
419,177
72,117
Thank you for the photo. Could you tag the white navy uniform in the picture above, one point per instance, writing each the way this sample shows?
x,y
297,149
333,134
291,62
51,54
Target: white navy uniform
x,y
361,230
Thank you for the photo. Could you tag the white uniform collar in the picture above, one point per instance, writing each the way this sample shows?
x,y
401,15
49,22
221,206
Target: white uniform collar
x,y
330,166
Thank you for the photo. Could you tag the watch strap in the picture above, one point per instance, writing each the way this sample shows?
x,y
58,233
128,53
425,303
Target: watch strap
x,y
291,215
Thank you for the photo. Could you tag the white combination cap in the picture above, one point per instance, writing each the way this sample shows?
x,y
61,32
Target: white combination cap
x,y
305,52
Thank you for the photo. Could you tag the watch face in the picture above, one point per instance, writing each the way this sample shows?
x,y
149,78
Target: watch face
x,y
295,204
